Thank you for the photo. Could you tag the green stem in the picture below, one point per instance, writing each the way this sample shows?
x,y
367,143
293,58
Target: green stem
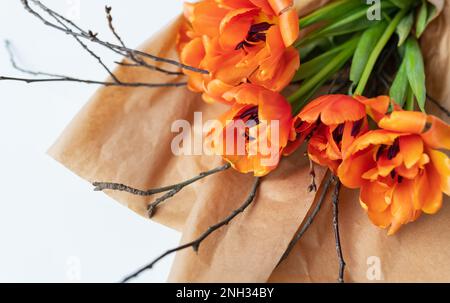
x,y
329,11
409,105
377,51
311,83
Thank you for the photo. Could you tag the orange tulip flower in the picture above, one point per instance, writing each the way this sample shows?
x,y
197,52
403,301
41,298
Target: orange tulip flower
x,y
239,41
399,169
331,123
253,133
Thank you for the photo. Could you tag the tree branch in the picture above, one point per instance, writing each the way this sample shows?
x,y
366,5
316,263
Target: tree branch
x,y
196,243
93,37
64,78
308,222
169,191
313,186
336,230
71,79
138,61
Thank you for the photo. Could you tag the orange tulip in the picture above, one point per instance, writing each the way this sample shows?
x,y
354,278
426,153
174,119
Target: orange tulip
x,y
399,169
331,123
253,133
239,41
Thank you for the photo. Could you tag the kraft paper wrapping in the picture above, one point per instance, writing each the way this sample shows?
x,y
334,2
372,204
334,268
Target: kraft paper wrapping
x,y
124,135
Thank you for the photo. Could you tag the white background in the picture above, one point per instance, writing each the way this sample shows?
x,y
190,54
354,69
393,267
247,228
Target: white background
x,y
53,227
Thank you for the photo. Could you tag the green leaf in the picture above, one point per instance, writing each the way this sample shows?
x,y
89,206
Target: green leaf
x,y
422,19
402,3
409,99
313,66
354,21
400,85
431,12
329,12
404,28
366,44
415,70
322,44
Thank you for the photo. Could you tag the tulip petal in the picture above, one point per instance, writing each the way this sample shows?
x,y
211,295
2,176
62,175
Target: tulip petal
x,y
375,138
234,27
376,107
438,135
372,195
279,6
383,219
427,192
402,208
404,121
265,6
206,18
351,170
289,27
441,163
342,108
411,148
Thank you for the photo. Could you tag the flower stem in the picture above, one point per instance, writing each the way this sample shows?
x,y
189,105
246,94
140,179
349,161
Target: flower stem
x,y
339,60
377,51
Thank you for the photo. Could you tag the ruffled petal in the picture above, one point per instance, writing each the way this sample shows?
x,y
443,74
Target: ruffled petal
x,y
374,137
376,107
427,192
441,163
352,169
234,27
438,135
280,6
289,27
404,121
411,148
342,108
402,208
382,220
373,196
206,18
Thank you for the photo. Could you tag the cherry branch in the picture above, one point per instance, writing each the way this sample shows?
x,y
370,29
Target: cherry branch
x,y
169,191
197,242
335,200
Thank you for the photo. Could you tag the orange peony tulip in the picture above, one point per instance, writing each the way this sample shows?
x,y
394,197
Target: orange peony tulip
x,y
254,131
331,123
239,41
399,169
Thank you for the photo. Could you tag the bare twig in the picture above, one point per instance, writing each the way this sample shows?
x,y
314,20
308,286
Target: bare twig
x,y
88,35
313,186
197,242
57,17
138,61
169,191
71,79
336,230
308,221
64,78
14,64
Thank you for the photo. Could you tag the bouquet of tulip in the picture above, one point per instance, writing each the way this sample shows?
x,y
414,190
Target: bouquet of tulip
x,y
366,131
357,103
